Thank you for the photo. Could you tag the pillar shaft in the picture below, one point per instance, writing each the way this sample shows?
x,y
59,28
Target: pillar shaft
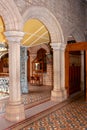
x,y
23,70
62,68
56,69
58,92
14,73
14,108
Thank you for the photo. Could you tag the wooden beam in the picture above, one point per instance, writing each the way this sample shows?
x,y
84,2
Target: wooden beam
x,y
76,46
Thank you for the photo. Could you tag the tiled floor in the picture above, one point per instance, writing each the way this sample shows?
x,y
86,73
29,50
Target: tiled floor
x,y
69,115
37,95
72,116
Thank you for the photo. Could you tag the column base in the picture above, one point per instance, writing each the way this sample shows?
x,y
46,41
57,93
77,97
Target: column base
x,y
58,95
15,112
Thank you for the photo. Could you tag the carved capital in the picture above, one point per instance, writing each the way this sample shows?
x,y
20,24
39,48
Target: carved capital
x,y
63,46
56,46
14,36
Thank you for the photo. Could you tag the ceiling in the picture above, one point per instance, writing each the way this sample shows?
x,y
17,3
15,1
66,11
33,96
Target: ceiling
x,y
35,33
2,37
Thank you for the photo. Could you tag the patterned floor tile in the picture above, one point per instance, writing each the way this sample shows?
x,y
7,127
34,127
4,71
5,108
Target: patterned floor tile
x,y
71,117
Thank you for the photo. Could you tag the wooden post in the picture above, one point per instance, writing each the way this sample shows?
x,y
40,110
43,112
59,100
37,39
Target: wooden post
x,y
86,71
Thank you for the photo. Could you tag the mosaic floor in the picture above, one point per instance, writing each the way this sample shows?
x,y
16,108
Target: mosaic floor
x,y
37,95
72,116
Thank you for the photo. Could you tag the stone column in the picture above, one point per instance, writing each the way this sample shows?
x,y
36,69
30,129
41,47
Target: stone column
x,y
57,93
23,70
62,68
14,108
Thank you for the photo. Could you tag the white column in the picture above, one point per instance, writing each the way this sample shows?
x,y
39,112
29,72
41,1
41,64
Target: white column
x,y
57,93
62,68
14,108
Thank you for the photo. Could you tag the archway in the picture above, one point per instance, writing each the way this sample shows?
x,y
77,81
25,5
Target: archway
x,y
57,43
48,19
11,17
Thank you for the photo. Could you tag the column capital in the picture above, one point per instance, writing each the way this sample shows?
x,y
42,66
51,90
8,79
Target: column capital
x,y
14,36
56,46
63,46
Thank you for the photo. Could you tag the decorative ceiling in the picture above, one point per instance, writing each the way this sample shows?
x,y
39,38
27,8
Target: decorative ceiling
x,y
2,37
35,33
2,29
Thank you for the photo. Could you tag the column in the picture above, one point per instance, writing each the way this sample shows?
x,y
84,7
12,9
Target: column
x,y
62,72
23,70
57,93
14,108
82,71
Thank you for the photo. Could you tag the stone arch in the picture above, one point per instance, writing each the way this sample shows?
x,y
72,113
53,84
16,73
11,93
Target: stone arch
x,y
36,48
47,18
10,15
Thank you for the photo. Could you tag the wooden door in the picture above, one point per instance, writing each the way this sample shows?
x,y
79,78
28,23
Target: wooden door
x,y
74,79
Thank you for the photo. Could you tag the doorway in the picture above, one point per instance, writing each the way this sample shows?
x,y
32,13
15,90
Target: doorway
x,y
81,46
74,72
